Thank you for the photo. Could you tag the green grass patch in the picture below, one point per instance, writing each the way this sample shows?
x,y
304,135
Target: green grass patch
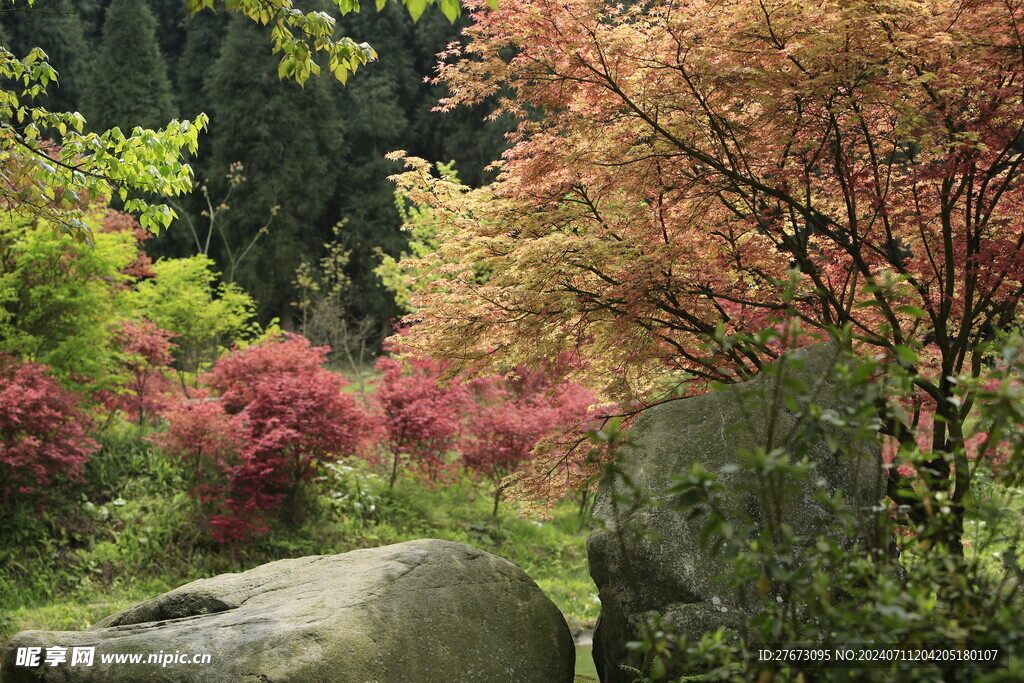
x,y
133,532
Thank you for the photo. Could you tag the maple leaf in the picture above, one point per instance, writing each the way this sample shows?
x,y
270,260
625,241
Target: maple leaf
x,y
688,175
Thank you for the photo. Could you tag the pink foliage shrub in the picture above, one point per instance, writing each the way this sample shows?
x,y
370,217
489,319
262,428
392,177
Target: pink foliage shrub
x,y
421,420
208,440
275,417
145,358
493,422
235,377
42,431
511,416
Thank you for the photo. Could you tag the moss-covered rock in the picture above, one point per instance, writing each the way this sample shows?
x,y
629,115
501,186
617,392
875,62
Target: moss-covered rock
x,y
423,611
648,559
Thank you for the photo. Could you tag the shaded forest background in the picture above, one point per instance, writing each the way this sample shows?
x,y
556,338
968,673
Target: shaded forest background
x,y
311,157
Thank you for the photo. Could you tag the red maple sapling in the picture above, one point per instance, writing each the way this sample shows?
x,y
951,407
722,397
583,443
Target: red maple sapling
x,y
509,418
145,357
276,417
42,431
421,419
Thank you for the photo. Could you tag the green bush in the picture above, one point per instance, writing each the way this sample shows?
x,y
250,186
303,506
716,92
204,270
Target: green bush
x,y
58,296
205,317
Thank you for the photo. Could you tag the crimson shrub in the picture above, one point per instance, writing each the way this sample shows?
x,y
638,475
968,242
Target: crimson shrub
x,y
275,417
42,431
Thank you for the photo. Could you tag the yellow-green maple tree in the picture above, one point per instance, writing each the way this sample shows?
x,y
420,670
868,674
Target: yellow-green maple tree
x,y
680,164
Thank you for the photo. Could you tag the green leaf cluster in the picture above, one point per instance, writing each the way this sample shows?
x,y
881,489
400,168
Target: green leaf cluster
x,y
300,36
204,315
52,181
59,296
407,274
130,86
904,589
39,179
313,154
61,299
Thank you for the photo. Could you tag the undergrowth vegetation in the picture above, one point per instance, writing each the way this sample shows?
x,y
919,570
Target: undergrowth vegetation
x,y
131,531
152,433
874,575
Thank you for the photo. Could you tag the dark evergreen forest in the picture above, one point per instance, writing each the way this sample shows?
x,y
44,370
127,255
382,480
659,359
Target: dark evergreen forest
x,y
311,157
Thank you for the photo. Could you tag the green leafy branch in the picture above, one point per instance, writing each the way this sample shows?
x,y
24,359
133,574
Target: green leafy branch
x,y
43,179
299,36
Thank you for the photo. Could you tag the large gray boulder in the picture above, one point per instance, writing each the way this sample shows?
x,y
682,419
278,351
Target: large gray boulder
x,y
649,560
422,611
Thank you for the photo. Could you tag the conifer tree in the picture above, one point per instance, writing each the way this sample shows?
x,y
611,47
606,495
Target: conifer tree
x,y
374,108
387,106
288,139
59,31
204,34
171,17
129,83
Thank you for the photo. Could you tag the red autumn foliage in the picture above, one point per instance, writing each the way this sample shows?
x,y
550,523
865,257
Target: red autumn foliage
x,y
278,417
302,420
687,169
511,416
201,434
42,431
494,421
233,377
421,420
145,358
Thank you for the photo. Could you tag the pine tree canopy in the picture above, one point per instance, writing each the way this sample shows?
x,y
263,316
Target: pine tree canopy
x,y
129,86
40,178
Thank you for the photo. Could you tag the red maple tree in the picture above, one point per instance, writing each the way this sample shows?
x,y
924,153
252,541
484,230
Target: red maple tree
x,y
42,431
275,417
510,416
144,358
686,174
421,419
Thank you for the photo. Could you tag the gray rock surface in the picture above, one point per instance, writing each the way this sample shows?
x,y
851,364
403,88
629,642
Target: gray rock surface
x,y
421,611
649,560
